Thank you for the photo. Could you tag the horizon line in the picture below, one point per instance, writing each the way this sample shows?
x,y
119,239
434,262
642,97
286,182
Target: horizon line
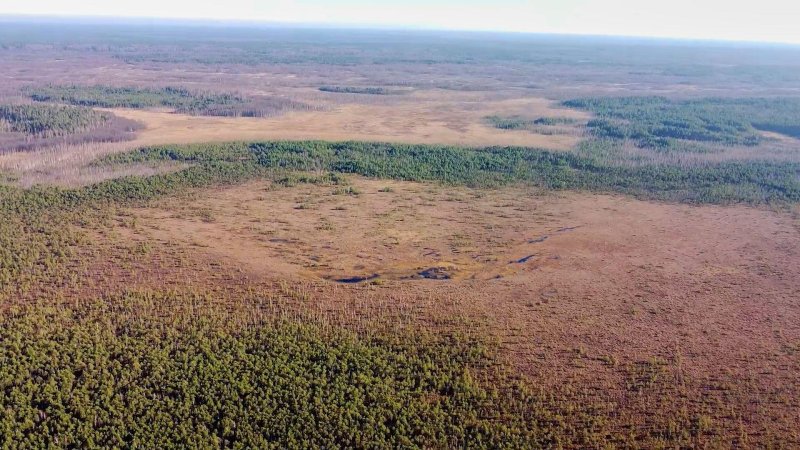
x,y
261,23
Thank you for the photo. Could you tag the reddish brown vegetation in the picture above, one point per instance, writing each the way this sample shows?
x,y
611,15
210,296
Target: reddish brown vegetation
x,y
659,316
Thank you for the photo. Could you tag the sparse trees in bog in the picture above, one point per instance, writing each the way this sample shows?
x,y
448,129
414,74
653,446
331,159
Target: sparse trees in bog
x,y
27,127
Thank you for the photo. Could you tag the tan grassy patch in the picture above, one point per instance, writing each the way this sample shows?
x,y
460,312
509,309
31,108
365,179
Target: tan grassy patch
x,y
430,117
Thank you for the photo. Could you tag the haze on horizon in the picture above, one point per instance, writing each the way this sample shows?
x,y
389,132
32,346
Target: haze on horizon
x,y
764,21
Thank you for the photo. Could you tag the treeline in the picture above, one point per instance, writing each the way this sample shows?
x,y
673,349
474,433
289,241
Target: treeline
x,y
182,100
662,123
779,115
49,120
30,127
129,97
521,123
261,106
725,182
358,90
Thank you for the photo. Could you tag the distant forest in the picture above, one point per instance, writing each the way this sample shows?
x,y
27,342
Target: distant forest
x,y
182,100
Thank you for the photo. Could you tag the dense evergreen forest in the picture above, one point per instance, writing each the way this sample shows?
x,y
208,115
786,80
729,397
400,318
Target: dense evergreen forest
x,y
127,97
731,181
521,123
182,100
49,121
94,377
662,123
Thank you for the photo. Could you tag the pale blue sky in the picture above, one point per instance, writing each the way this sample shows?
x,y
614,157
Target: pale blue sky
x,y
763,20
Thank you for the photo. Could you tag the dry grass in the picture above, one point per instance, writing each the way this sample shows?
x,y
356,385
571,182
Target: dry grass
x,y
69,165
63,164
390,228
430,117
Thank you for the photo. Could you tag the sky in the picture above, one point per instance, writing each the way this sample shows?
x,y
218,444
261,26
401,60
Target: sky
x,y
763,20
